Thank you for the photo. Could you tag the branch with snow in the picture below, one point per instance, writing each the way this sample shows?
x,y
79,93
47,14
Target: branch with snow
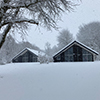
x,y
19,21
20,5
46,12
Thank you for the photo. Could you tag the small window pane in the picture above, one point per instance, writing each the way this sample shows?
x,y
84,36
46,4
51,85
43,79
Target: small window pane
x,y
66,53
34,59
58,57
25,59
87,56
66,58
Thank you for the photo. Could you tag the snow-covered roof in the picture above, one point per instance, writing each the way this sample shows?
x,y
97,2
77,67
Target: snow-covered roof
x,y
76,42
31,50
88,47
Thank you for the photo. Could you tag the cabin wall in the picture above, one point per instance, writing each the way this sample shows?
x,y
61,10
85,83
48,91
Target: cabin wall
x,y
74,54
26,57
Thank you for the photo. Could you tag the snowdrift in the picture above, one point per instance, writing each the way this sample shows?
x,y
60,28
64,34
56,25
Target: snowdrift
x,y
54,81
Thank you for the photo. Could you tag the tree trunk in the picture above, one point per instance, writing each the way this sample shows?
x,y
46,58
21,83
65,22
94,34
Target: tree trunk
x,y
7,29
5,34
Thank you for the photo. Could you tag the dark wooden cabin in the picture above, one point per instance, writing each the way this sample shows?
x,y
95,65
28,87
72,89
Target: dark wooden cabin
x,y
26,55
75,52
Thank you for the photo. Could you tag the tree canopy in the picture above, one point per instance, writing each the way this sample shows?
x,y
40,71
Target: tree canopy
x,y
89,34
64,38
18,13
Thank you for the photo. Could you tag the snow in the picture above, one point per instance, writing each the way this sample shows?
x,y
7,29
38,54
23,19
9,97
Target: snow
x,y
33,51
54,81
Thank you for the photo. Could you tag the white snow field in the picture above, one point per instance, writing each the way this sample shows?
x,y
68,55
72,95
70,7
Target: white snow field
x,y
53,81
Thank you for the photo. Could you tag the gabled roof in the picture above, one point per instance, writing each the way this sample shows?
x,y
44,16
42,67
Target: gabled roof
x,y
77,43
31,50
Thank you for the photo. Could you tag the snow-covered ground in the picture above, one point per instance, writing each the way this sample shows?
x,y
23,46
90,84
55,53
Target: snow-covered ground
x,y
54,81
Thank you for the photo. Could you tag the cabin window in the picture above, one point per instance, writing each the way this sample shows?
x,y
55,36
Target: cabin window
x,y
69,54
87,56
58,57
25,58
16,60
34,59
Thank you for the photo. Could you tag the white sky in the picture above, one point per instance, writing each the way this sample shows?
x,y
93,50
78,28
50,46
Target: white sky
x,y
88,11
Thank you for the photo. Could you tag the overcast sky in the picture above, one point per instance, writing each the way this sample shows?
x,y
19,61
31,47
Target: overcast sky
x,y
88,11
